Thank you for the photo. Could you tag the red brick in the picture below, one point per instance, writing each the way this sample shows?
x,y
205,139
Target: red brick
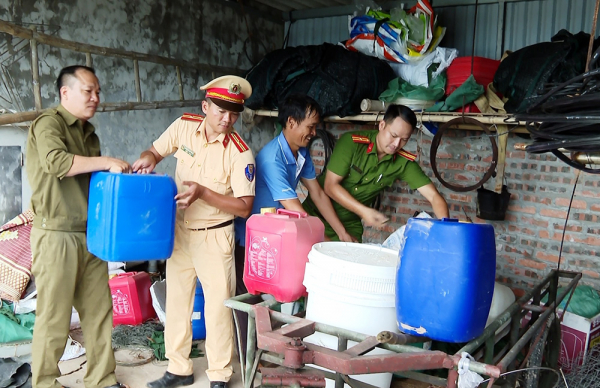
x,y
595,208
574,228
592,241
591,194
577,203
532,264
516,208
547,257
554,213
533,221
592,274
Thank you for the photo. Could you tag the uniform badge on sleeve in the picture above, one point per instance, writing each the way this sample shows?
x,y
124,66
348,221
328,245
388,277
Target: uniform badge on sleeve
x,y
250,172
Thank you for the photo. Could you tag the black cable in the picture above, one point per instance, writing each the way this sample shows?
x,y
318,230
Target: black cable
x,y
562,240
437,139
566,117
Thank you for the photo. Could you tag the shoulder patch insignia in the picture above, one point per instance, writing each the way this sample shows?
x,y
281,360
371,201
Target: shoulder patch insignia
x,y
192,117
407,155
239,143
361,139
249,172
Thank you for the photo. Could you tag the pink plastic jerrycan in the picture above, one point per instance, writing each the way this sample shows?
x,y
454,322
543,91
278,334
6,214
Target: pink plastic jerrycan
x,y
277,247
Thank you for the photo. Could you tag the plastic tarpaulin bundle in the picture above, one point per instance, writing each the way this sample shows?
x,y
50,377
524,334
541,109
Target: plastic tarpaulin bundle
x,y
522,75
14,328
336,78
398,37
399,88
465,94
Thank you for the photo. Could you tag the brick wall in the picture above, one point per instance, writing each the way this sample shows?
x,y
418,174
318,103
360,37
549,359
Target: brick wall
x,y
528,241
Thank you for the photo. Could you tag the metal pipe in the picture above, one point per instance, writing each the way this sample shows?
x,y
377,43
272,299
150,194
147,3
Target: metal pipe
x,y
586,157
250,351
389,337
513,353
342,347
421,116
509,312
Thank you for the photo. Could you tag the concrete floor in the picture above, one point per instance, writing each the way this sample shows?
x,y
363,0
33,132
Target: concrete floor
x,y
137,376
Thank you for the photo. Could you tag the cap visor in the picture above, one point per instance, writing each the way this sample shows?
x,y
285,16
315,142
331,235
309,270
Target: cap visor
x,y
230,106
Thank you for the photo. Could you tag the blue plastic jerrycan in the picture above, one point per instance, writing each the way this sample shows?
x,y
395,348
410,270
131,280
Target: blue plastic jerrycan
x,y
131,217
445,279
198,322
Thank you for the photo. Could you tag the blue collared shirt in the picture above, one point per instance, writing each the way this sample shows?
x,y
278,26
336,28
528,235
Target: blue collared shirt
x,y
277,176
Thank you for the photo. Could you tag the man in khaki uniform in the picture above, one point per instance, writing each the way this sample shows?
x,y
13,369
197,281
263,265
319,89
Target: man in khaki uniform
x,y
62,151
215,180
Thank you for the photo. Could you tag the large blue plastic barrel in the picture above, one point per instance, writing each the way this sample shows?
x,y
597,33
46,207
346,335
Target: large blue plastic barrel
x,y
131,217
445,279
198,322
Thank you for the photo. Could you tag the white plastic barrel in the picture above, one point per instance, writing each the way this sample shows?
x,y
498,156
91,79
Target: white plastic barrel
x,y
352,286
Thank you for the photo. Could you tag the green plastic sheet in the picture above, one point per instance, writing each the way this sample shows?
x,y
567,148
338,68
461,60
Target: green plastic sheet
x,y
15,328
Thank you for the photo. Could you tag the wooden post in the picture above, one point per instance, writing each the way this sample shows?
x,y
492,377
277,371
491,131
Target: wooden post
x,y
88,60
138,88
35,71
502,131
181,98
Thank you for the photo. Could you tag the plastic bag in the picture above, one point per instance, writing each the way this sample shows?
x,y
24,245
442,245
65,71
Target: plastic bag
x,y
396,240
400,88
467,378
158,292
416,73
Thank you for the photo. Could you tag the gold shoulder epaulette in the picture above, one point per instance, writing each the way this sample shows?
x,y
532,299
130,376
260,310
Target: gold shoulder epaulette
x,y
192,117
238,141
361,139
405,154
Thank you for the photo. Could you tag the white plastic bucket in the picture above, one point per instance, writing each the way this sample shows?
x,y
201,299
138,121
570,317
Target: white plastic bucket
x,y
352,286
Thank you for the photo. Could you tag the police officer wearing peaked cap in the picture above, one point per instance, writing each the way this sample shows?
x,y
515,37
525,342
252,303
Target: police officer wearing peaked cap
x,y
215,181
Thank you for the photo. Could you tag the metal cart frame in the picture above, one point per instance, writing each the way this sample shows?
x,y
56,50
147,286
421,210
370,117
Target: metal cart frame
x,y
527,331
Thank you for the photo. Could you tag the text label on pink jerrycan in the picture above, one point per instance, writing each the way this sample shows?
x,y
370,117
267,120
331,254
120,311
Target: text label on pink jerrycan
x,y
277,247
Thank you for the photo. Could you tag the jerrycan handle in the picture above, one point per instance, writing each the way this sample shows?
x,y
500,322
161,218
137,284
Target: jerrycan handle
x,y
292,213
449,219
126,274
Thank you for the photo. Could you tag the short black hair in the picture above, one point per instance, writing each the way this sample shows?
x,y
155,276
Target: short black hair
x,y
69,71
404,112
298,107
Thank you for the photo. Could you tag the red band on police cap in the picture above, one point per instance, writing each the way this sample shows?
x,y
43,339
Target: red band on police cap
x,y
226,95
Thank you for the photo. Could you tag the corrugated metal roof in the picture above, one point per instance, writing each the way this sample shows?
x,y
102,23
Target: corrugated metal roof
x,y
519,24
316,31
537,21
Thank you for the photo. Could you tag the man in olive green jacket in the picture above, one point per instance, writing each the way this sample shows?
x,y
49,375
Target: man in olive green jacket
x,y
62,151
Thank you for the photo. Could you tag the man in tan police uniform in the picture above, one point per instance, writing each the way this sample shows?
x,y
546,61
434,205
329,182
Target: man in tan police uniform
x,y
215,180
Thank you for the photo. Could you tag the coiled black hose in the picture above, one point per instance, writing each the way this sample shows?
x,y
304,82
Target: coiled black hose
x,y
567,117
328,143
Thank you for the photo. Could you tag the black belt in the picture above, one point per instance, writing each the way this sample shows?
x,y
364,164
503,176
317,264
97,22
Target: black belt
x,y
221,225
